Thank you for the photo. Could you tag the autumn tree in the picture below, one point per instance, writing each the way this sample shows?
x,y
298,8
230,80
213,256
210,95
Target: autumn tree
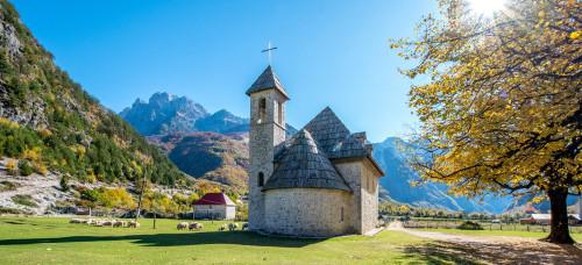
x,y
499,99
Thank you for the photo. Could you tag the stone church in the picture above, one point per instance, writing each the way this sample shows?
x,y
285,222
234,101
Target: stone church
x,y
321,182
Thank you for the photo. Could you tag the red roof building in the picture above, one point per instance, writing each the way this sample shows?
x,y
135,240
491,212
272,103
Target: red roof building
x,y
215,206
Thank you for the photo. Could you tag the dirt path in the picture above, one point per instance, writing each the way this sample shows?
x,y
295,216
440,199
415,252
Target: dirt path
x,y
490,249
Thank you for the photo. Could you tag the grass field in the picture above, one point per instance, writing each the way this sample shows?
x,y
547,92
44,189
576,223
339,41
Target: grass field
x,y
39,240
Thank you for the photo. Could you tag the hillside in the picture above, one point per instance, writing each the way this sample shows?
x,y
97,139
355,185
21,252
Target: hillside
x,y
206,146
211,156
49,123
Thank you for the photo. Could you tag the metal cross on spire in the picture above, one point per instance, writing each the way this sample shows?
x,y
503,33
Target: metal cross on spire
x,y
268,51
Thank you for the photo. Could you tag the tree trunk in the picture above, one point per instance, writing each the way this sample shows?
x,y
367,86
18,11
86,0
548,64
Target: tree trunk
x,y
559,232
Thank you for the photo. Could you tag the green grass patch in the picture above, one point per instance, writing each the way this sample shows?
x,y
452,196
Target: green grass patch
x,y
25,200
39,240
8,186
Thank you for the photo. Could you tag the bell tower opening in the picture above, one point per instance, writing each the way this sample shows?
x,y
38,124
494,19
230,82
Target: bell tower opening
x,y
262,110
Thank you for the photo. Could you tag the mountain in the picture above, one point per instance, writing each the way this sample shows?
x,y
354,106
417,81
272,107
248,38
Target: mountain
x,y
205,146
399,177
164,113
208,155
223,122
49,123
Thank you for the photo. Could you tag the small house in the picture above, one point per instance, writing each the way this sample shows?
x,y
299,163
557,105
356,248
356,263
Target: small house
x,y
214,206
545,219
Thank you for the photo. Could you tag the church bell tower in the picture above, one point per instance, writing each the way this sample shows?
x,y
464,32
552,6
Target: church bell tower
x,y
267,130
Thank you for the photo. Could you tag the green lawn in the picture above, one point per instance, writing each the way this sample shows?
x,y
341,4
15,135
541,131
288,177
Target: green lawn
x,y
38,240
507,232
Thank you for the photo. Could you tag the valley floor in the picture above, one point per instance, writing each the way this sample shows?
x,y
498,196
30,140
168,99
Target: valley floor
x,y
42,240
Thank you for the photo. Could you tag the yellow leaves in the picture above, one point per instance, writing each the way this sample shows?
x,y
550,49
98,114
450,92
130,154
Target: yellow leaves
x,y
117,198
44,133
8,123
12,166
40,168
33,154
576,35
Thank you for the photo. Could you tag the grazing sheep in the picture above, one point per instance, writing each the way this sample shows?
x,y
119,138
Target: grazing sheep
x,y
222,227
232,226
245,226
76,221
182,226
119,224
133,224
195,226
108,223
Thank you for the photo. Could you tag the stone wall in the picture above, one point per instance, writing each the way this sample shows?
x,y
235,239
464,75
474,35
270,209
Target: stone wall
x,y
369,197
307,212
363,180
351,172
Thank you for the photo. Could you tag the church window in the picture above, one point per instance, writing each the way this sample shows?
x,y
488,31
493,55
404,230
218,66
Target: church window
x,y
342,214
262,109
280,113
261,180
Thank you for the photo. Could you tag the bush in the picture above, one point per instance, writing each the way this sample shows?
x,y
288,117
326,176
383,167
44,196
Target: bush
x,y
468,225
64,183
25,168
8,186
12,167
25,200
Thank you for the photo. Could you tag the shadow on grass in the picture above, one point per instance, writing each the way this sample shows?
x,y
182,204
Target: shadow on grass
x,y
169,240
484,253
18,222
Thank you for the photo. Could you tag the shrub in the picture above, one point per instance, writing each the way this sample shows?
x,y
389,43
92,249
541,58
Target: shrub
x,y
40,168
25,200
8,186
25,168
11,167
468,225
64,183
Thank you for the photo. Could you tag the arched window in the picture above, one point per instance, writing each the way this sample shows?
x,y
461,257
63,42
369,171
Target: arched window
x,y
261,180
262,109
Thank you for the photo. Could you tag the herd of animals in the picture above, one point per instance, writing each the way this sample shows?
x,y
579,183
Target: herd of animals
x,y
134,224
105,223
199,226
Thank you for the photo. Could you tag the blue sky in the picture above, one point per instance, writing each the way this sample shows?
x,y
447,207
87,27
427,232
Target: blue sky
x,y
330,53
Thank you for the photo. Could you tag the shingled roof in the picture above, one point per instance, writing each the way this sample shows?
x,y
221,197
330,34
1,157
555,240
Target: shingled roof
x,y
332,138
304,165
267,80
327,129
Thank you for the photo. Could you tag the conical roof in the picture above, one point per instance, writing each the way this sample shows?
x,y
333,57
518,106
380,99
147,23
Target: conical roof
x,y
267,80
304,165
328,130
